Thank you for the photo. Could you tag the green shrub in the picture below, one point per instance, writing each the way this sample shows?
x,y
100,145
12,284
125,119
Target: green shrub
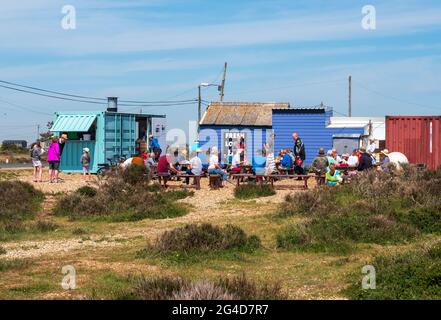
x,y
79,231
14,264
373,208
2,250
118,200
204,237
136,174
18,200
412,275
87,191
253,190
46,226
195,243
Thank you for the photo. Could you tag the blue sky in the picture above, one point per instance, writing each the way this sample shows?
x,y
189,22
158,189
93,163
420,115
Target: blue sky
x,y
280,50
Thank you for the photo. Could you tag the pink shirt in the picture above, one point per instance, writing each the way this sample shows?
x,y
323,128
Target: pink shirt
x,y
53,153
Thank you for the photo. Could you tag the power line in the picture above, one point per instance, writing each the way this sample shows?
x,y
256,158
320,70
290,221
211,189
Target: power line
x,y
83,98
395,98
290,86
24,108
50,96
50,91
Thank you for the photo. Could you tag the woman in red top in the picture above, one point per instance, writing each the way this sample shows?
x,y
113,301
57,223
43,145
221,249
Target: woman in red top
x,y
165,166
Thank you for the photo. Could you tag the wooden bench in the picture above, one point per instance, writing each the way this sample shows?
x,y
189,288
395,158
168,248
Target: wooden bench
x,y
275,177
215,181
197,181
240,177
163,178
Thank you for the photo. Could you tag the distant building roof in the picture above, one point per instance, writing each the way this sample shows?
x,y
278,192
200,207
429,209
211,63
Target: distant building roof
x,y
241,113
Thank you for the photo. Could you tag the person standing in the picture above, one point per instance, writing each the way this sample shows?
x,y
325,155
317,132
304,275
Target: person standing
x,y
53,157
320,163
85,162
155,147
36,153
371,146
299,147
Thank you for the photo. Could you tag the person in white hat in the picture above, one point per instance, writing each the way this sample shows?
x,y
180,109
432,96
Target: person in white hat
x,y
85,162
384,158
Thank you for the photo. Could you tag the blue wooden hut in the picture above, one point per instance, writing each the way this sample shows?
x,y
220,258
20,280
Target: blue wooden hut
x,y
224,124
312,125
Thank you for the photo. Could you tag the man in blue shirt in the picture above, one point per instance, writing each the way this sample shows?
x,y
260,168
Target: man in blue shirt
x,y
155,147
286,162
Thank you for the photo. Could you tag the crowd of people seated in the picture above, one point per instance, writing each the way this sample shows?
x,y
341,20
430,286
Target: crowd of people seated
x,y
330,166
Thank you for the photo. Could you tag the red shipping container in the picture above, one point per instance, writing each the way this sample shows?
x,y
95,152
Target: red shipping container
x,y
418,137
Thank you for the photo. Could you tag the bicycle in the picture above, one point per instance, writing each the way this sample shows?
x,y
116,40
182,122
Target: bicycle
x,y
111,165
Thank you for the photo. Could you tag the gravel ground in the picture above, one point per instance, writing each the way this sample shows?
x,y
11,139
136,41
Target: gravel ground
x,y
207,205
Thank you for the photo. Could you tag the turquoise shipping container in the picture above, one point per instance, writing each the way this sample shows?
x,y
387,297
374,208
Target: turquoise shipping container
x,y
108,135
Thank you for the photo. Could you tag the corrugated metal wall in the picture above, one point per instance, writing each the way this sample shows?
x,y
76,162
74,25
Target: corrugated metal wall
x,y
418,137
210,136
311,127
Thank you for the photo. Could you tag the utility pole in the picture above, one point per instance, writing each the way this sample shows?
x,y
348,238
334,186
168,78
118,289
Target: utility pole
x,y
199,104
222,86
350,97
38,132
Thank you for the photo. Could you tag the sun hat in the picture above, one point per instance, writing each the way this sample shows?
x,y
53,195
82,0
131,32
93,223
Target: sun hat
x,y
86,149
345,155
385,152
362,149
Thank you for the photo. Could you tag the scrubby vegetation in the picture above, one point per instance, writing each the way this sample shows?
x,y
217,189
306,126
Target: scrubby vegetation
x,y
236,288
253,190
124,196
373,208
412,275
7,175
18,201
15,264
194,241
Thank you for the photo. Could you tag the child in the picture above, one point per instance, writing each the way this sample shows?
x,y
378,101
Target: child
x,y
36,153
85,162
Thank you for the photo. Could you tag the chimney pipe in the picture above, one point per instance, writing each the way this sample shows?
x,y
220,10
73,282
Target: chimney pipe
x,y
112,104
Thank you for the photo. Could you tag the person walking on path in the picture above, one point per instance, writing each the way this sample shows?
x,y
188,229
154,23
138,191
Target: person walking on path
x,y
53,157
36,153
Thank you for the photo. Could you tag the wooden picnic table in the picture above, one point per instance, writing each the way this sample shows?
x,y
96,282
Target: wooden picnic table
x,y
164,177
275,177
245,168
345,169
